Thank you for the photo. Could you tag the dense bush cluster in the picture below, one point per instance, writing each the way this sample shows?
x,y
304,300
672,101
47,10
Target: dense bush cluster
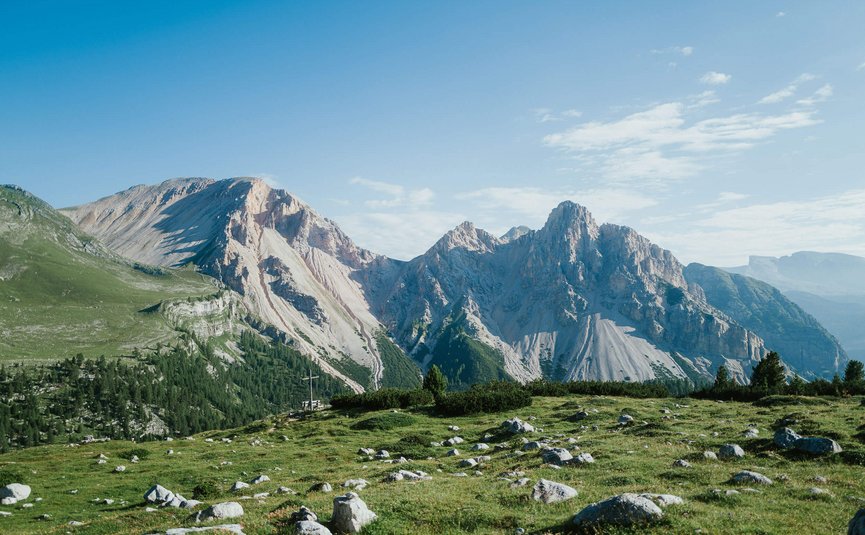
x,y
495,396
386,398
543,387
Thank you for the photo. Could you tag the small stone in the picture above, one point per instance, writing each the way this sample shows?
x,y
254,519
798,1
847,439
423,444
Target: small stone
x,y
218,511
321,487
681,463
731,451
747,476
120,468
547,491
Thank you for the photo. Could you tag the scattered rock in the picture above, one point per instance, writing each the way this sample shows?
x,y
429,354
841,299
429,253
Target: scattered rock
x,y
663,500
551,492
480,447
238,485
260,479
785,437
515,426
236,529
382,454
321,487
158,494
621,510
582,415
857,523
357,484
17,491
310,527
681,463
120,468
710,456
817,446
218,511
626,419
350,513
453,441
468,463
453,453
731,451
521,482
453,428
583,458
285,490
747,476
366,451
557,456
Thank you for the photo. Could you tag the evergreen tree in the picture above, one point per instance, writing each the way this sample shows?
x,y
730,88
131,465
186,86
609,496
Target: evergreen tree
x,y
854,372
722,378
769,373
435,381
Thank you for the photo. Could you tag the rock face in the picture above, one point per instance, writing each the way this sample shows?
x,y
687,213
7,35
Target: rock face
x,y
572,300
622,510
350,514
551,492
295,269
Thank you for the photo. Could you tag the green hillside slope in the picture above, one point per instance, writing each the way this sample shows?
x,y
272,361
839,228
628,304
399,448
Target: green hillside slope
x,y
62,293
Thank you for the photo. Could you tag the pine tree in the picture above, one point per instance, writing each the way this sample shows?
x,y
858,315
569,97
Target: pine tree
x,y
769,373
722,378
435,381
854,372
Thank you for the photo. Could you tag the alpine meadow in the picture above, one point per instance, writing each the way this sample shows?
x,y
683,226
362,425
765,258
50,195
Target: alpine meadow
x,y
503,268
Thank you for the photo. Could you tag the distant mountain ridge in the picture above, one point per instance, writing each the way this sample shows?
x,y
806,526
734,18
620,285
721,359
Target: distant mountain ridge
x,y
572,300
830,286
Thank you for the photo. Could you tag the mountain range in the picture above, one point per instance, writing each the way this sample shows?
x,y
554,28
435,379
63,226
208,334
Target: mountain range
x,y
571,300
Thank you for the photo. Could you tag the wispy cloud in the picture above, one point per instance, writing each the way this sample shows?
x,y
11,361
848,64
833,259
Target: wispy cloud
x,y
660,144
861,67
715,78
780,14
679,50
397,195
399,234
788,91
821,95
547,115
726,237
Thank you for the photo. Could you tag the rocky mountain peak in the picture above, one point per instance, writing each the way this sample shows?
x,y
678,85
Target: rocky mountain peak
x,y
467,237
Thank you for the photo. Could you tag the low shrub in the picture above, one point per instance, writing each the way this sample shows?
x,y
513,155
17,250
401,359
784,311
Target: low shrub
x,y
386,398
543,387
385,422
141,453
11,475
205,489
496,396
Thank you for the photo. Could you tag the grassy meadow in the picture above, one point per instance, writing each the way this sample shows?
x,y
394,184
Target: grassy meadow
x,y
636,458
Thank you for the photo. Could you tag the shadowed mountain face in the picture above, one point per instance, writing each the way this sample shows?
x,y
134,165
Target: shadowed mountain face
x,y
830,286
801,341
572,300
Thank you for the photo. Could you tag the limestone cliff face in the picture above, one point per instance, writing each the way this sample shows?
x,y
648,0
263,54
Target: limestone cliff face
x,y
294,268
572,300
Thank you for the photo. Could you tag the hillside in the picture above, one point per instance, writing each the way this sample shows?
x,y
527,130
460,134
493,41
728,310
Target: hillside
x,y
829,286
800,339
64,293
299,454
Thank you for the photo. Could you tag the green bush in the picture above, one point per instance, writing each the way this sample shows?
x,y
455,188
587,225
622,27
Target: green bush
x,y
386,398
10,475
496,396
543,387
141,453
385,422
205,489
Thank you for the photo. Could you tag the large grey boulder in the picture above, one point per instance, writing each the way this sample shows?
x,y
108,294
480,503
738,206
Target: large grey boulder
x,y
17,491
551,492
557,456
857,523
350,514
785,437
621,510
663,500
817,446
219,511
747,476
515,426
158,494
731,451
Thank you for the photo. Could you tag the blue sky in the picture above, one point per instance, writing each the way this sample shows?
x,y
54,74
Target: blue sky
x,y
719,130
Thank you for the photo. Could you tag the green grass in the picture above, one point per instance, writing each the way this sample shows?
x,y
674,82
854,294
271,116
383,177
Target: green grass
x,y
62,294
632,459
